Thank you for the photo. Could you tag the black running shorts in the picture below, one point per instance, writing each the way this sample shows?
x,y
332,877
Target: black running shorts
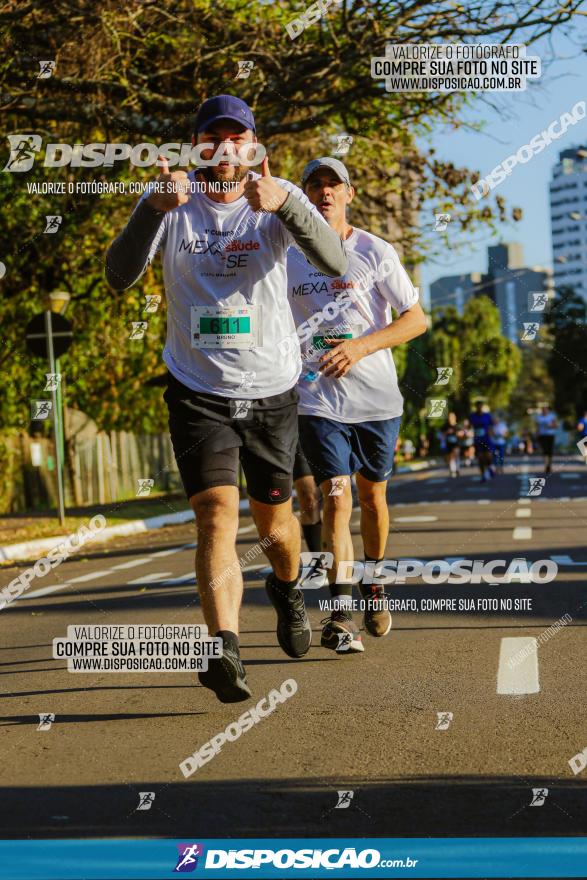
x,y
211,434
301,467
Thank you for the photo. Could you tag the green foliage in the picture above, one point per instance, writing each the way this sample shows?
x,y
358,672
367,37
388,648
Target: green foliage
x,y
535,385
136,72
567,362
484,364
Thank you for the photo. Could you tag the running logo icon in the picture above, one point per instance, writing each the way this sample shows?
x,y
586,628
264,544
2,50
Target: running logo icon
x,y
537,301
441,222
539,796
536,485
244,69
46,69
146,799
436,409
46,719
444,720
314,574
145,486
530,331
152,303
138,329
22,151
41,409
53,381
344,800
337,485
52,223
241,409
247,380
344,144
443,375
344,641
188,857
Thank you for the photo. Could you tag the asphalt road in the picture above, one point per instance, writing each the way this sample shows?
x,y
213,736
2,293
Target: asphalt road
x,y
362,723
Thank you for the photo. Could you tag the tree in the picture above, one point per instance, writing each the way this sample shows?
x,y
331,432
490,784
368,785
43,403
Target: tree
x,y
136,72
535,384
567,362
489,363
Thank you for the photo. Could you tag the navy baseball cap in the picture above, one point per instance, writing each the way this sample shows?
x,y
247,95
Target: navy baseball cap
x,y
223,107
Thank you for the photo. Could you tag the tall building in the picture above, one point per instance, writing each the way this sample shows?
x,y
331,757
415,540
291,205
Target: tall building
x,y
507,283
455,290
568,220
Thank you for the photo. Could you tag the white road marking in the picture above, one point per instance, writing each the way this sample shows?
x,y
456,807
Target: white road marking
x,y
189,577
413,519
517,673
245,529
159,554
523,512
131,564
483,501
93,575
149,578
524,501
46,591
522,533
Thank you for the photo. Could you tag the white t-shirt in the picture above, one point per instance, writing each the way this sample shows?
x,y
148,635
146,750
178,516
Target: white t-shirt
x,y
374,282
227,255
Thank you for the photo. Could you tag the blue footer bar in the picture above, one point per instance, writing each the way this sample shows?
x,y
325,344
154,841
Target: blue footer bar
x,y
297,857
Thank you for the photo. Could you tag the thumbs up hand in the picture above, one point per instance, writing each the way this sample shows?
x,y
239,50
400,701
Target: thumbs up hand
x,y
263,194
172,189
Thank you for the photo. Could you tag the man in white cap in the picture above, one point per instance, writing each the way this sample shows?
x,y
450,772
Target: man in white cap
x,y
350,405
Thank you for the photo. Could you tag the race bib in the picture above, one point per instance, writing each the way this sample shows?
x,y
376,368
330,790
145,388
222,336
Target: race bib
x,y
226,327
318,345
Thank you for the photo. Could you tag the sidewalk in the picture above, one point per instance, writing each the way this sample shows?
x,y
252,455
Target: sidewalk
x,y
28,535
23,536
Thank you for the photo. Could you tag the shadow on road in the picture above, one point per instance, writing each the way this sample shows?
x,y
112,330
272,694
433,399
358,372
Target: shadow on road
x,y
449,806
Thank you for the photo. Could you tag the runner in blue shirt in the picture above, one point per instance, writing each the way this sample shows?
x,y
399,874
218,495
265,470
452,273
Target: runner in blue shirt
x,y
482,422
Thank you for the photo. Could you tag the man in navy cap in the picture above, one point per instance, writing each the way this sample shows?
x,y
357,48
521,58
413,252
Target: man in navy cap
x,y
231,395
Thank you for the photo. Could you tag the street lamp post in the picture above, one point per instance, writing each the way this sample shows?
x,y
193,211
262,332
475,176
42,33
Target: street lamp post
x,y
56,303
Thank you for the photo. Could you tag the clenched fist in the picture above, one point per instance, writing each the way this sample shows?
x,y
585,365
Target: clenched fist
x,y
263,194
172,189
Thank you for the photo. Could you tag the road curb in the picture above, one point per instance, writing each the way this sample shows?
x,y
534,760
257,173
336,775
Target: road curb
x,y
32,549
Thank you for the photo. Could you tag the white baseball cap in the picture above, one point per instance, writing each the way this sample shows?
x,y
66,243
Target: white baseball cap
x,y
326,162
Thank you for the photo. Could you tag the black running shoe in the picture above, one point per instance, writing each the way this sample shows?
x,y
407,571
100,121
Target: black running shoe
x,y
226,677
294,632
341,634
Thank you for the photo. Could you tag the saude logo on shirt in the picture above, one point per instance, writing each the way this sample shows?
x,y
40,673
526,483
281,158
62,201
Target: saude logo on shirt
x,y
200,246
309,287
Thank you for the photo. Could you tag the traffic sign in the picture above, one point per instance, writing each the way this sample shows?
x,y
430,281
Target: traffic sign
x,y
36,335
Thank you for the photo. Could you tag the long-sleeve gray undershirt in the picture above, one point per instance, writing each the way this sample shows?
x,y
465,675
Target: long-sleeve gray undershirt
x,y
128,255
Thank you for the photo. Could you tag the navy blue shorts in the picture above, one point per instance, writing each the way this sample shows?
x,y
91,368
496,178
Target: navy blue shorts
x,y
335,449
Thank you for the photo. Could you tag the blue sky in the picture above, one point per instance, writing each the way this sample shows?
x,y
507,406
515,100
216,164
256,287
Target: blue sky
x,y
520,116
